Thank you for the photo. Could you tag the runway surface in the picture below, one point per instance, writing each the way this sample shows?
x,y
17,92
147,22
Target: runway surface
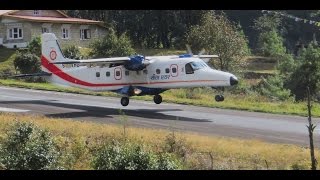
x,y
202,120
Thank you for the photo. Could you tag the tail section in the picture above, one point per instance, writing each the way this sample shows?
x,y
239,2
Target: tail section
x,y
50,50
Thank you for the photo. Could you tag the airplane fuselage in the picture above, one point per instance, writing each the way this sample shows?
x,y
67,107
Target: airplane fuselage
x,y
163,73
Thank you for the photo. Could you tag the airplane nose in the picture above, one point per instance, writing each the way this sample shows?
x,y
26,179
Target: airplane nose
x,y
233,81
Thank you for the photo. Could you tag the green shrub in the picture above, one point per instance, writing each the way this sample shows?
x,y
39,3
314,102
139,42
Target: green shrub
x,y
34,46
72,52
26,147
27,62
172,144
111,45
273,87
127,156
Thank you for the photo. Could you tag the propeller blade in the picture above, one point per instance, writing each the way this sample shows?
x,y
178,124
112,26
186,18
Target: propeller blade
x,y
189,49
201,52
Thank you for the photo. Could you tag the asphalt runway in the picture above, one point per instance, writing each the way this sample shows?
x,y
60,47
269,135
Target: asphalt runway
x,y
202,120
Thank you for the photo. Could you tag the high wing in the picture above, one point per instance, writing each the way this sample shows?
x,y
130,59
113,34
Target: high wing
x,y
206,58
92,61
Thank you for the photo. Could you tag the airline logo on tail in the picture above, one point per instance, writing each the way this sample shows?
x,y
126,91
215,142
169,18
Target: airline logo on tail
x,y
53,54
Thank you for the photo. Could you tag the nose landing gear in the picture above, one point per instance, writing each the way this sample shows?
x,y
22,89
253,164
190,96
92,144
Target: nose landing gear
x,y
219,98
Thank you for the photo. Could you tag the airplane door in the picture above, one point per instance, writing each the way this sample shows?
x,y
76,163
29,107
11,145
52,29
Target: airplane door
x,y
174,70
117,73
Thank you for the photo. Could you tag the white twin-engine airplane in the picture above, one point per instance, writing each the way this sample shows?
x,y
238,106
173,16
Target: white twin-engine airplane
x,y
130,76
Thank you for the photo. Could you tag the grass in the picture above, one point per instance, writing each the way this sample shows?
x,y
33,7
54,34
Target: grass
x,y
227,153
6,60
198,97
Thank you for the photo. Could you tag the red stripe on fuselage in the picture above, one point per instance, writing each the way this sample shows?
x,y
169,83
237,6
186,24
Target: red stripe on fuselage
x,y
58,72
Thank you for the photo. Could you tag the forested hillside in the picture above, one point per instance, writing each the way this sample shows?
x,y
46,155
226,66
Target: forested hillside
x,y
167,28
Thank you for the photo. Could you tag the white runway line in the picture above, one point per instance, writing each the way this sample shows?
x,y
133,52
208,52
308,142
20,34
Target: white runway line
x,y
2,109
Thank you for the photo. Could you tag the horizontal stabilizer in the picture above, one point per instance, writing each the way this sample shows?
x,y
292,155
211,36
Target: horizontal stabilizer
x,y
32,75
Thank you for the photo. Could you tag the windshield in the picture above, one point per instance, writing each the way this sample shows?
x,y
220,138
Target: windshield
x,y
198,65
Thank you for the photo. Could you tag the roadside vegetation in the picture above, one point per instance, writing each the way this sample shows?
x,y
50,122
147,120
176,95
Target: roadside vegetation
x,y
36,142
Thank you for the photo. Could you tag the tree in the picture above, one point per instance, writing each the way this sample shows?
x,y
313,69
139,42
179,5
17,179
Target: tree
x,y
270,44
267,23
219,36
306,74
112,45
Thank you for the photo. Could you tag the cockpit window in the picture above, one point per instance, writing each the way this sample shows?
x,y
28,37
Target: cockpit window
x,y
198,65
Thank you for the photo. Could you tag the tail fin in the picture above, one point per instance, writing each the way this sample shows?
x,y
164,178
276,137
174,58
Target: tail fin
x,y
50,50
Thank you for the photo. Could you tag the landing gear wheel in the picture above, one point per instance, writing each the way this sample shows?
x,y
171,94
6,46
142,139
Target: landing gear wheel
x,y
219,98
124,101
157,99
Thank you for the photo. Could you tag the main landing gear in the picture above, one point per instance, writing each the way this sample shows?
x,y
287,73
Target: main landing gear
x,y
219,98
156,98
124,101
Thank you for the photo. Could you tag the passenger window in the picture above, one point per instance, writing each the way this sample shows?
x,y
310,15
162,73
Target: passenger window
x,y
107,73
174,70
167,70
117,73
126,73
189,69
158,71
97,74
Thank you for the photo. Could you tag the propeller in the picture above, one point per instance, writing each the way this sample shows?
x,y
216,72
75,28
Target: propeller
x,y
190,51
200,55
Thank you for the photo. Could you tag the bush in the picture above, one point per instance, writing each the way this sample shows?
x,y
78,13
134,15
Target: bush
x,y
72,52
127,156
273,87
34,46
26,147
27,62
175,145
112,45
286,65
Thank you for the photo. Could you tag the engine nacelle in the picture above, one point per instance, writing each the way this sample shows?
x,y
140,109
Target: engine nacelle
x,y
136,63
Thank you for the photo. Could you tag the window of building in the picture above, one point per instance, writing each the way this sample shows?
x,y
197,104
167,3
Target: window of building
x,y
15,33
45,30
97,74
145,71
85,34
65,33
158,71
36,12
138,72
126,73
107,73
167,70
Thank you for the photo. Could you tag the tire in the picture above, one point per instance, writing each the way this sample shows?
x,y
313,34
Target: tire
x,y
124,101
157,99
219,98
